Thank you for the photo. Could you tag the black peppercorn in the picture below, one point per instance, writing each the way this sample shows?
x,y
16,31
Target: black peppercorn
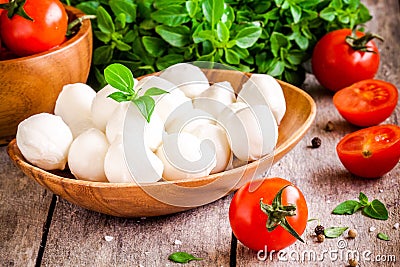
x,y
319,230
329,127
316,142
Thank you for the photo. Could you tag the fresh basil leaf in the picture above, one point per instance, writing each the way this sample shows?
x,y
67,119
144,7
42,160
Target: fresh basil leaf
x,y
145,105
276,68
153,91
183,257
88,7
231,56
159,4
120,96
213,10
278,40
337,4
228,17
348,207
376,210
333,232
222,32
120,45
247,36
328,14
205,35
168,60
153,45
125,7
104,37
192,7
172,15
104,21
119,77
363,199
102,55
296,12
383,236
178,36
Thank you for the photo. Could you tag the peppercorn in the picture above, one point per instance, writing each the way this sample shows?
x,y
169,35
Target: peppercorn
x,y
329,127
353,262
352,233
316,142
319,230
321,237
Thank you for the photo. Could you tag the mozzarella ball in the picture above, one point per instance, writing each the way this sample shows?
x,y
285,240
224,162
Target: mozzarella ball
x,y
118,170
73,105
115,124
155,81
217,135
44,140
263,89
166,104
187,119
252,131
184,156
86,156
216,98
103,107
187,77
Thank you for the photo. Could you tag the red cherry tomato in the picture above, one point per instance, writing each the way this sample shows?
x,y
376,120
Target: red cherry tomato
x,y
370,152
248,221
47,30
336,64
366,103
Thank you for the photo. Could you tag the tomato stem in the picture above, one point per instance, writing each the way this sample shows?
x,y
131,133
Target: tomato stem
x,y
360,43
277,214
15,7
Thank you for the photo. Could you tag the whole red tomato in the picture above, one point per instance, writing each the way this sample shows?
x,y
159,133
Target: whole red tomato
x,y
337,64
249,219
47,30
366,103
370,152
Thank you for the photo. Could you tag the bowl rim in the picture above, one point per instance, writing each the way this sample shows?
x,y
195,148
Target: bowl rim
x,y
18,158
84,30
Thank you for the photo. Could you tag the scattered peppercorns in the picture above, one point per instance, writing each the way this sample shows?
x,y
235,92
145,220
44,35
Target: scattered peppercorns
x,y
316,142
319,230
321,238
352,233
329,127
353,262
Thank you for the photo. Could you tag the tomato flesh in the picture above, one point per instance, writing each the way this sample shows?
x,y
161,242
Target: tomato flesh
x,y
248,222
370,152
337,65
366,103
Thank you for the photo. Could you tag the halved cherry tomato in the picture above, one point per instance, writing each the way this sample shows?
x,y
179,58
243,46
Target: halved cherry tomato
x,y
249,222
366,103
370,152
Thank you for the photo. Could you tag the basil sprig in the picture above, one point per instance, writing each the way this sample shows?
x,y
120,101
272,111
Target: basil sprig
x,y
374,209
183,257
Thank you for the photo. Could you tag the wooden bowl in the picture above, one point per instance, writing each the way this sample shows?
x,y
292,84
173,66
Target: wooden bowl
x,y
30,85
160,198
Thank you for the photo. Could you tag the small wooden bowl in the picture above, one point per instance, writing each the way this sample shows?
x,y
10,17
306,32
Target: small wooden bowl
x,y
130,200
30,85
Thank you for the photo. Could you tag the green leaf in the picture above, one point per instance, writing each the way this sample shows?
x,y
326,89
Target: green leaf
x,y
153,45
168,60
383,236
153,91
120,45
222,32
125,7
213,10
333,232
183,257
231,56
172,15
104,21
192,7
328,13
178,36
145,105
104,37
376,210
348,207
278,40
119,77
120,96
276,68
296,12
247,36
363,199
88,7
102,55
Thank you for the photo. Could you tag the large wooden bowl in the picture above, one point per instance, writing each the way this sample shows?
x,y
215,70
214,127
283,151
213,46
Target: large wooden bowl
x,y
30,85
130,200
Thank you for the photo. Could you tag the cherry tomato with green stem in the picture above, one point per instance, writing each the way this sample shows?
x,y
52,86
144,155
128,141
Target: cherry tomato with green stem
x,y
370,152
268,214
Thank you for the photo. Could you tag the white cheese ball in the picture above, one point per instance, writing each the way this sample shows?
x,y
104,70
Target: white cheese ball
x,y
262,89
217,135
187,77
103,107
185,156
252,131
166,105
44,140
155,81
86,156
216,98
73,105
187,119
119,171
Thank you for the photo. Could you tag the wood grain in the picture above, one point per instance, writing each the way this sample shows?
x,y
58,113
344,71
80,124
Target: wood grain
x,y
31,85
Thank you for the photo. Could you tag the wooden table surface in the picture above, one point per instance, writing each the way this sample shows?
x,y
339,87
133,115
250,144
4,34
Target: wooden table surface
x,y
38,228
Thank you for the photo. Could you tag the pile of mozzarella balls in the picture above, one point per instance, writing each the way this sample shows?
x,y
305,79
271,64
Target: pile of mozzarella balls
x,y
196,129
